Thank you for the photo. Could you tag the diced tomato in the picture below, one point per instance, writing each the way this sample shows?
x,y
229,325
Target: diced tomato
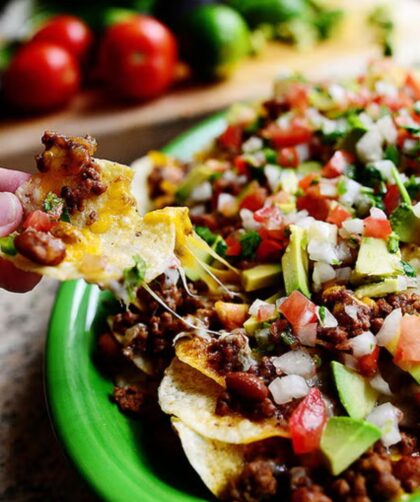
x,y
307,422
408,347
269,250
290,136
337,164
265,214
241,165
254,200
381,229
297,96
233,247
231,138
38,220
338,214
392,198
308,180
231,315
414,85
298,310
317,205
368,364
288,157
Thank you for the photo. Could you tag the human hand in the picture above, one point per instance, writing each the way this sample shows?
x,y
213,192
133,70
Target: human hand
x,y
11,213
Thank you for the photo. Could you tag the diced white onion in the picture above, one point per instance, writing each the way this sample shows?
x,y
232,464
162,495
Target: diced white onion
x,y
329,320
273,175
369,146
322,231
202,192
295,362
363,344
381,385
226,203
343,252
351,311
352,193
409,145
328,189
322,251
307,334
416,209
303,151
354,226
377,213
248,221
385,168
198,210
343,274
387,129
323,273
384,88
385,416
171,276
350,361
253,309
338,94
252,144
390,328
289,181
284,389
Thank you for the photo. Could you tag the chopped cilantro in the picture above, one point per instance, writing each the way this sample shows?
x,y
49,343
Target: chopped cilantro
x,y
134,276
317,360
322,313
409,270
53,203
412,128
393,243
249,242
7,245
341,186
288,338
270,155
392,154
206,234
65,215
220,246
355,122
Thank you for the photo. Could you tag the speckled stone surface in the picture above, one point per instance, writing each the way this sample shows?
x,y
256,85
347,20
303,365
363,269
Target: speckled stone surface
x,y
33,466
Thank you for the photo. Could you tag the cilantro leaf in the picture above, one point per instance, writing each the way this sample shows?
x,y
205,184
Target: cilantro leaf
x,y
206,234
249,242
134,276
7,245
220,247
409,270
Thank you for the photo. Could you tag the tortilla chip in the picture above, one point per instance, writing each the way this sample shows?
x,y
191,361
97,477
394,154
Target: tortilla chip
x,y
215,462
190,396
193,351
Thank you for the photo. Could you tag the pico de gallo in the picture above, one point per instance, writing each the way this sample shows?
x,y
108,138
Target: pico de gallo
x,y
312,200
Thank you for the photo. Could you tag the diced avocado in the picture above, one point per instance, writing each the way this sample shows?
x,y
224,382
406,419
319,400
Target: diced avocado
x,y
344,439
406,224
383,288
195,177
309,167
261,276
289,180
409,497
295,262
251,324
374,261
356,395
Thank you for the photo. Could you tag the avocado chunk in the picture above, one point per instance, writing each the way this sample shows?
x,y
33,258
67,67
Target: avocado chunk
x,y
261,276
375,262
406,224
195,177
309,167
354,391
295,263
344,439
383,288
251,324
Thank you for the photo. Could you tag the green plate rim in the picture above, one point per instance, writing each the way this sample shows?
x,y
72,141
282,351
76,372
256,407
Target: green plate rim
x,y
80,433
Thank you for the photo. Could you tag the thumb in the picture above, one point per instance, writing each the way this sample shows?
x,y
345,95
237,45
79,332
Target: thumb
x,y
10,213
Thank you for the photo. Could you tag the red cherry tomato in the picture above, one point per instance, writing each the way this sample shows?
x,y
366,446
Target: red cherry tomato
x,y
368,364
41,76
68,32
307,423
269,250
338,214
38,220
138,58
231,137
254,200
298,310
337,164
381,229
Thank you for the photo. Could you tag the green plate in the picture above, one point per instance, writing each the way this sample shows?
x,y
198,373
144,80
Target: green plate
x,y
116,455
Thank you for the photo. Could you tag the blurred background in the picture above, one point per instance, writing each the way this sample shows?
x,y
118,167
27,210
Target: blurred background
x,y
134,73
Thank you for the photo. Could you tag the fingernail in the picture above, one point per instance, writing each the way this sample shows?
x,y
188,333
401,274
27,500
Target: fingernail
x,y
10,213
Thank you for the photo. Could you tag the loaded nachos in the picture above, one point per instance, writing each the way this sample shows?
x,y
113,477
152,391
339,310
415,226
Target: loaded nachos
x,y
277,323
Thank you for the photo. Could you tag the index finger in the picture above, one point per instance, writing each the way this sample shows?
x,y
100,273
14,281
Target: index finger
x,y
11,180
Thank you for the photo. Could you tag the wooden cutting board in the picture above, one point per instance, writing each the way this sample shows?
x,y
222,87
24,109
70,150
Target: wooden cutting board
x,y
125,132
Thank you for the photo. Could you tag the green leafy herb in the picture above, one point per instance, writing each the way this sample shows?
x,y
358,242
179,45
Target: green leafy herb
x,y
220,247
206,234
53,203
355,122
393,243
270,155
134,276
249,242
409,270
317,360
288,338
322,313
65,215
392,154
341,186
7,245
403,191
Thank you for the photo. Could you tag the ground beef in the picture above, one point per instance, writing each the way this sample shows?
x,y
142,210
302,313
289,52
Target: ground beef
x,y
407,470
130,399
225,354
408,302
333,338
255,484
303,489
336,299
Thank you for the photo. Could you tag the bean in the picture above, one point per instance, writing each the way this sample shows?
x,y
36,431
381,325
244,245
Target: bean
x,y
40,247
246,386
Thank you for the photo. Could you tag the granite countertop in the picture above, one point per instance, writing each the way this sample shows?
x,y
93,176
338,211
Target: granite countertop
x,y
33,466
